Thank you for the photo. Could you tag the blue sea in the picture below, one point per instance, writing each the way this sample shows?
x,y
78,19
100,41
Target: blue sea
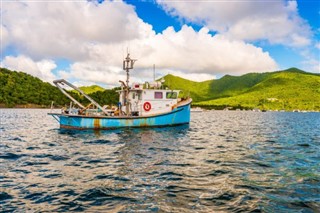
x,y
223,161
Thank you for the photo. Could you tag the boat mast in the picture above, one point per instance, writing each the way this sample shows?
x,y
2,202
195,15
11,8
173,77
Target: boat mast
x,y
127,65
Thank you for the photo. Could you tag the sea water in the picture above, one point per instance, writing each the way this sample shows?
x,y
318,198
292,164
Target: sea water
x,y
230,161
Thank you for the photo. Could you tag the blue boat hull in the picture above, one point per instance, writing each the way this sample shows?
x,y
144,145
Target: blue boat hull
x,y
180,115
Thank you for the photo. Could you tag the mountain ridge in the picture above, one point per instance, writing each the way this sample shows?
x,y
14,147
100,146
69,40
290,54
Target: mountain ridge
x,y
254,90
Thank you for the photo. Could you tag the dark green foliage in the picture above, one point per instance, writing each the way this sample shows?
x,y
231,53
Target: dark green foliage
x,y
20,89
106,97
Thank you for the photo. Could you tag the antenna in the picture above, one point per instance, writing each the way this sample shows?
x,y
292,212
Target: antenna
x,y
128,65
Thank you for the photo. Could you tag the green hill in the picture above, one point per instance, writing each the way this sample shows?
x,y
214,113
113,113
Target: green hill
x,y
197,90
288,89
90,89
18,89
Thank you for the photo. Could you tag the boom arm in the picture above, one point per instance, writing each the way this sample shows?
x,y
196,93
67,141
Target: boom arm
x,y
62,81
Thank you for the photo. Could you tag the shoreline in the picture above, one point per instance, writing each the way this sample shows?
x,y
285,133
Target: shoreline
x,y
28,106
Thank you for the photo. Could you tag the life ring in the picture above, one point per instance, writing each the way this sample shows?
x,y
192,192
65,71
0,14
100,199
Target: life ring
x,y
147,106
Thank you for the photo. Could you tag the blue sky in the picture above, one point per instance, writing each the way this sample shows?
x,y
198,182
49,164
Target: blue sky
x,y
286,57
85,41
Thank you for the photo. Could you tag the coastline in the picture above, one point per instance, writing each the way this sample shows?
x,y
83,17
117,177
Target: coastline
x,y
27,106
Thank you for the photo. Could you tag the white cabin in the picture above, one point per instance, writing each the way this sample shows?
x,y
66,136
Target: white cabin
x,y
144,102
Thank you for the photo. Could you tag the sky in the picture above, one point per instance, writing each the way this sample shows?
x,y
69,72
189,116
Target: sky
x,y
85,41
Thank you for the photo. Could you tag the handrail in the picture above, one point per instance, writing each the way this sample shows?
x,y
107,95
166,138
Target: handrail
x,y
62,81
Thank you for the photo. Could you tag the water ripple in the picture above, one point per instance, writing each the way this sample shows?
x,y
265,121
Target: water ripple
x,y
221,162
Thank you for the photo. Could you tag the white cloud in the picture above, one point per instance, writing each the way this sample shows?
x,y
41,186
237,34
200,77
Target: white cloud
x,y
275,21
199,77
41,69
194,55
311,60
4,36
83,83
68,29
94,38
99,72
199,52
312,65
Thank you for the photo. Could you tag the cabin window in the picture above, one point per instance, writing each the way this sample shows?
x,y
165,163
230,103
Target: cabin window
x,y
133,95
171,95
158,95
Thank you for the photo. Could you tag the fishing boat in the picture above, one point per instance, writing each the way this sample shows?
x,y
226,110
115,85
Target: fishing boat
x,y
140,105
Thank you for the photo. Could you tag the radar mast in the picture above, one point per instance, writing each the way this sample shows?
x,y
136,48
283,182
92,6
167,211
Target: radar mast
x,y
127,65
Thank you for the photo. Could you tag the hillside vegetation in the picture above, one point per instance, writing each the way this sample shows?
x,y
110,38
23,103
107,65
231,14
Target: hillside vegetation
x,y
289,89
18,89
90,89
197,90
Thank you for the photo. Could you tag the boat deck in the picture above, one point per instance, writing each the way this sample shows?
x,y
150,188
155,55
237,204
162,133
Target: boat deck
x,y
179,104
